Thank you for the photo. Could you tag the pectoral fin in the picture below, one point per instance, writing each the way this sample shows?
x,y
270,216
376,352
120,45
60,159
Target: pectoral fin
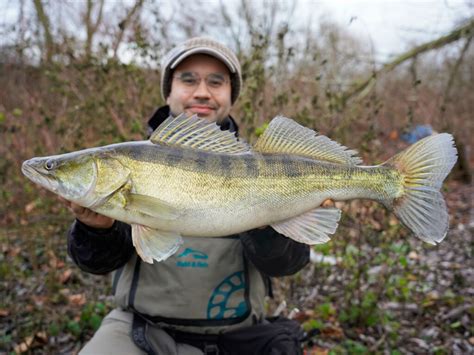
x,y
312,227
151,206
152,244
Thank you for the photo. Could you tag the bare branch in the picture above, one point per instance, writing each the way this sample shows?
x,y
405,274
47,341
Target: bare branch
x,y
45,24
123,25
365,86
449,85
91,27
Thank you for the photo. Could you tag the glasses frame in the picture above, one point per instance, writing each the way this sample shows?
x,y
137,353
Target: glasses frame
x,y
179,76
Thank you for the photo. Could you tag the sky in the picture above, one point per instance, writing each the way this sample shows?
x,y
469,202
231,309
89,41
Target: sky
x,y
393,26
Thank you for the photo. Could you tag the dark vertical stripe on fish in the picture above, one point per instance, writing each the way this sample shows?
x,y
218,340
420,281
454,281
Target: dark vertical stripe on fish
x,y
251,166
226,165
174,157
288,167
200,160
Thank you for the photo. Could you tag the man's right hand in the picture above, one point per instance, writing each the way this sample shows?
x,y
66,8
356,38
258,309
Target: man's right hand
x,y
87,216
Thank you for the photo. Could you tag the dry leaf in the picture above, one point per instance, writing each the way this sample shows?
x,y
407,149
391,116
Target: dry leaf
x,y
39,300
413,255
65,291
12,252
316,350
30,207
332,332
25,345
65,276
393,135
303,315
4,312
77,300
42,337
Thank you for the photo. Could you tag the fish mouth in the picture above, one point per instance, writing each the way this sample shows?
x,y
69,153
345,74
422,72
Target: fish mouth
x,y
29,169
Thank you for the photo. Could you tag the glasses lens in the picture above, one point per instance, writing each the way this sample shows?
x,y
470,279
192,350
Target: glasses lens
x,y
215,81
189,78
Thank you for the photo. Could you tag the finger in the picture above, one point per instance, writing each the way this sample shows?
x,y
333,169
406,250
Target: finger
x,y
77,209
327,203
63,200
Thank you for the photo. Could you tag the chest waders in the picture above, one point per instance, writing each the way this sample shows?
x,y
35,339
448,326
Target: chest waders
x,y
207,287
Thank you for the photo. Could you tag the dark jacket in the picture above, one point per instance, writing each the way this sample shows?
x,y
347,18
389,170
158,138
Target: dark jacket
x,y
100,251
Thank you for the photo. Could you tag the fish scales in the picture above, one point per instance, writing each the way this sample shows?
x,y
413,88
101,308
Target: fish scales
x,y
201,181
217,177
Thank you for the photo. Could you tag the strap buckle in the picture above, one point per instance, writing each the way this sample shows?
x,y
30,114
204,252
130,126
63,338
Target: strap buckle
x,y
211,349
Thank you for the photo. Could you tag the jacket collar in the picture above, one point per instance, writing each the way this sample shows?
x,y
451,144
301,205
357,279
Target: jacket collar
x,y
163,113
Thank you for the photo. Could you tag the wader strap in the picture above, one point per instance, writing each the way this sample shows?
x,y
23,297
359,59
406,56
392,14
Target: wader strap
x,y
206,342
138,334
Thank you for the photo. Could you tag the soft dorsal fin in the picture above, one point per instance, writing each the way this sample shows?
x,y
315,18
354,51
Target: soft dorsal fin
x,y
284,135
196,133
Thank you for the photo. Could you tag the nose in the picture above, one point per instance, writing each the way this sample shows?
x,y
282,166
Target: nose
x,y
202,91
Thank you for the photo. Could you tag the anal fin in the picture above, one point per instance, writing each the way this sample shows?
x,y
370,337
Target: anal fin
x,y
152,244
312,227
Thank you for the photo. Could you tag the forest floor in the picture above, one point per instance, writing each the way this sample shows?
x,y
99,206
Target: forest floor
x,y
372,289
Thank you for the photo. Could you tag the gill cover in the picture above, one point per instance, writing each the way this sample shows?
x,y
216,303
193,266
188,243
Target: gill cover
x,y
109,176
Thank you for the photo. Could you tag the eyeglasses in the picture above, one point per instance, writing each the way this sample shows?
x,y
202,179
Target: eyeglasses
x,y
191,80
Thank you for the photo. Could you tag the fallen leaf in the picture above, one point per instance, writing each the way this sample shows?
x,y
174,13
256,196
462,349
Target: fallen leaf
x,y
12,252
393,135
42,337
332,332
65,291
303,315
65,276
24,346
30,207
39,300
4,313
77,300
315,350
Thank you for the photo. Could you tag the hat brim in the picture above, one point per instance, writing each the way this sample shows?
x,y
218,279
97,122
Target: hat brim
x,y
204,50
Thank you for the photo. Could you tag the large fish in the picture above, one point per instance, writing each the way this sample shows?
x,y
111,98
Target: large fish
x,y
192,179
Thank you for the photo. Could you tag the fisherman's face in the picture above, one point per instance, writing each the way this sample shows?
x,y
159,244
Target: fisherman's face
x,y
201,85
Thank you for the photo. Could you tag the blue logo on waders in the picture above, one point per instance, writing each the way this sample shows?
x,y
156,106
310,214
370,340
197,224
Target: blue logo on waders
x,y
228,298
192,258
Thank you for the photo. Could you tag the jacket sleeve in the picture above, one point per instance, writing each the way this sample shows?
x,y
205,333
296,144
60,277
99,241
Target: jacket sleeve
x,y
99,251
273,253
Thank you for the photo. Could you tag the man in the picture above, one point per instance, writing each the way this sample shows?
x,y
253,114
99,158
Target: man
x,y
211,285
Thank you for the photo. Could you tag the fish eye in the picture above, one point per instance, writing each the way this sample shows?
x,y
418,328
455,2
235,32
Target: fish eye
x,y
49,164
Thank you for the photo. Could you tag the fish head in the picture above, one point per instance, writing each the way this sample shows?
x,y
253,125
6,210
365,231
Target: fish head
x,y
71,175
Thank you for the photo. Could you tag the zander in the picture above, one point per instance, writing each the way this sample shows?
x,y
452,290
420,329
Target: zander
x,y
192,179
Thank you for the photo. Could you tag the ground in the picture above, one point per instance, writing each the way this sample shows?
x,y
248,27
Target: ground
x,y
373,288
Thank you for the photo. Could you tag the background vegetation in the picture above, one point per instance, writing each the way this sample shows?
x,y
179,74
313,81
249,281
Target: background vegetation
x,y
76,75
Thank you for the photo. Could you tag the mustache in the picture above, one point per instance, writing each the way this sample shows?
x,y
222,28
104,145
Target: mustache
x,y
201,103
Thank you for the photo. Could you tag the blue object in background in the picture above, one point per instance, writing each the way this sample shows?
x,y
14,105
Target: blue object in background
x,y
417,133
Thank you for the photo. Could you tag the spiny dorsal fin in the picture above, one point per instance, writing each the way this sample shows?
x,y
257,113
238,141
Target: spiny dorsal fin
x,y
195,133
284,135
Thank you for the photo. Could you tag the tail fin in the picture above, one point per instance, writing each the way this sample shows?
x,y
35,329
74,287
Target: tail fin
x,y
424,166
